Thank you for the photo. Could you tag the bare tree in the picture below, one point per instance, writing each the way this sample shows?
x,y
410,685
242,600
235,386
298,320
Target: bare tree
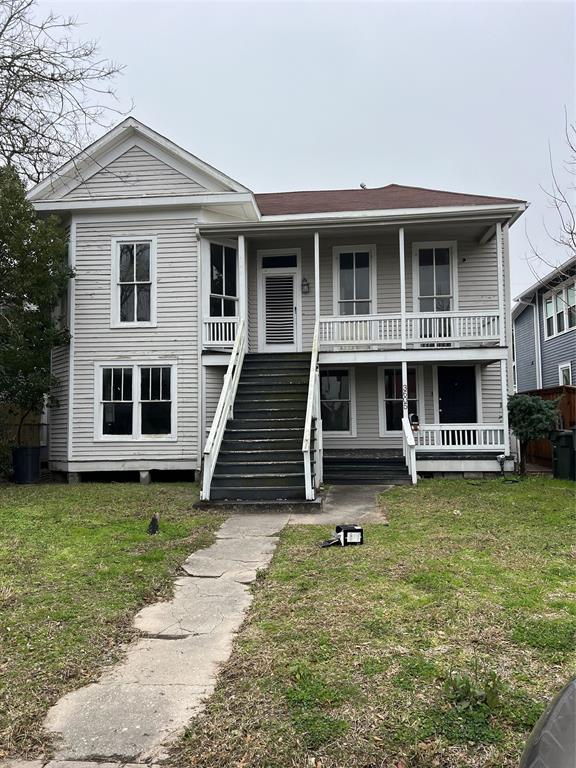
x,y
562,199
53,90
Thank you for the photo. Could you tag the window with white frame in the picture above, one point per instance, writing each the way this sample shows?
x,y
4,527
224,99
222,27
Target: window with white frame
x,y
435,280
560,310
336,400
134,282
223,282
565,374
354,279
391,397
136,401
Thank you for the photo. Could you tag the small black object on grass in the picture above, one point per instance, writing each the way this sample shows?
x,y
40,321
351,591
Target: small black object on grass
x,y
154,524
345,536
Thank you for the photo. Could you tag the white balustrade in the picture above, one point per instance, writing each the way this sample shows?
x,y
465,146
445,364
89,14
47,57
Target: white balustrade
x,y
220,331
422,328
450,437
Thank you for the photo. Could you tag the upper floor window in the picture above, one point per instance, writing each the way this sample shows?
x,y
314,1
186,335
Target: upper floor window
x,y
134,282
136,402
223,281
560,310
354,280
434,278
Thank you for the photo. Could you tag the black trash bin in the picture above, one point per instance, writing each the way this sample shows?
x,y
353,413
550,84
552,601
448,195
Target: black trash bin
x,y
564,451
26,464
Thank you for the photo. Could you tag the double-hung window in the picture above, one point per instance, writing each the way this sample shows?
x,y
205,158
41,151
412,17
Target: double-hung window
x,y
137,401
565,373
435,280
336,400
354,279
391,409
223,281
133,282
560,310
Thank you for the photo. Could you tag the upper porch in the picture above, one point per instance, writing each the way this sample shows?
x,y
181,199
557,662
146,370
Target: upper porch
x,y
373,289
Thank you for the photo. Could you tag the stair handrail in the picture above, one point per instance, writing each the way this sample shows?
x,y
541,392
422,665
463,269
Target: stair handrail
x,y
224,410
313,413
409,448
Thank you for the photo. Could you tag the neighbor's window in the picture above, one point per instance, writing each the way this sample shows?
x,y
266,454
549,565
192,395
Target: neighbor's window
x,y
137,401
335,400
435,280
117,403
565,373
353,281
223,291
134,267
393,397
549,315
560,310
571,305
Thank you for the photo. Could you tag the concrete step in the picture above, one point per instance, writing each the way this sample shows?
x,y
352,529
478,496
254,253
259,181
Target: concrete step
x,y
257,494
286,422
283,395
272,380
269,445
260,456
285,480
260,467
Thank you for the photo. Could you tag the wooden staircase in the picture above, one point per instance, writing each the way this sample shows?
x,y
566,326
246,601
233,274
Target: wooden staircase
x,y
261,453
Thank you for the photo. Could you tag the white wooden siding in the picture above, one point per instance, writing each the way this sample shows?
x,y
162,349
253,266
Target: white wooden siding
x,y
213,379
58,412
136,173
491,393
174,338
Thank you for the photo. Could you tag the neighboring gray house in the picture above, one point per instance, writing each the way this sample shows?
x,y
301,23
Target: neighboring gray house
x,y
274,339
545,331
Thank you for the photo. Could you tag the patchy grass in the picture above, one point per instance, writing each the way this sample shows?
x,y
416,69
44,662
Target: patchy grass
x,y
435,645
76,564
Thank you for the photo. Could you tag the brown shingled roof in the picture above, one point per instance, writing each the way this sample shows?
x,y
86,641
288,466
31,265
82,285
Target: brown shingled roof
x,y
382,198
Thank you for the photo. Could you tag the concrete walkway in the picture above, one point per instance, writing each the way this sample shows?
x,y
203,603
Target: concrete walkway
x,y
139,706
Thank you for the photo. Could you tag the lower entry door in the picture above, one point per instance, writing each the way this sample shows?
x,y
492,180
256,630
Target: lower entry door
x,y
457,394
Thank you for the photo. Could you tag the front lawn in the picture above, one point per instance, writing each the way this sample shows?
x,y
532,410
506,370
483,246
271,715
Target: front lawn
x,y
435,645
76,563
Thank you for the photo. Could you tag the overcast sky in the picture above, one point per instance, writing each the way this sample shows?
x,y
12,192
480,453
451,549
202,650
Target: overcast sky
x,y
461,96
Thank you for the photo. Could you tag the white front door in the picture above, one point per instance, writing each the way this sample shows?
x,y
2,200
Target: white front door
x,y
278,301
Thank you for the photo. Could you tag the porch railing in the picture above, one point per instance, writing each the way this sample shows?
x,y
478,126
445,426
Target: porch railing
x,y
422,328
360,330
409,447
220,331
452,327
471,437
313,419
224,409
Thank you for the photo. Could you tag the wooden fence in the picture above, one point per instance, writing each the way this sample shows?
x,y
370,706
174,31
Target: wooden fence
x,y
540,451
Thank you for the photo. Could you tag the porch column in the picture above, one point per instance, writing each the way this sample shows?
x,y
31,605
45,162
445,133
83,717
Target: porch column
x,y
504,384
402,294
242,278
317,276
500,265
404,389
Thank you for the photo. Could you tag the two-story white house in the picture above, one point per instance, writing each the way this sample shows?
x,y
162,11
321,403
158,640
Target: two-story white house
x,y
273,340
